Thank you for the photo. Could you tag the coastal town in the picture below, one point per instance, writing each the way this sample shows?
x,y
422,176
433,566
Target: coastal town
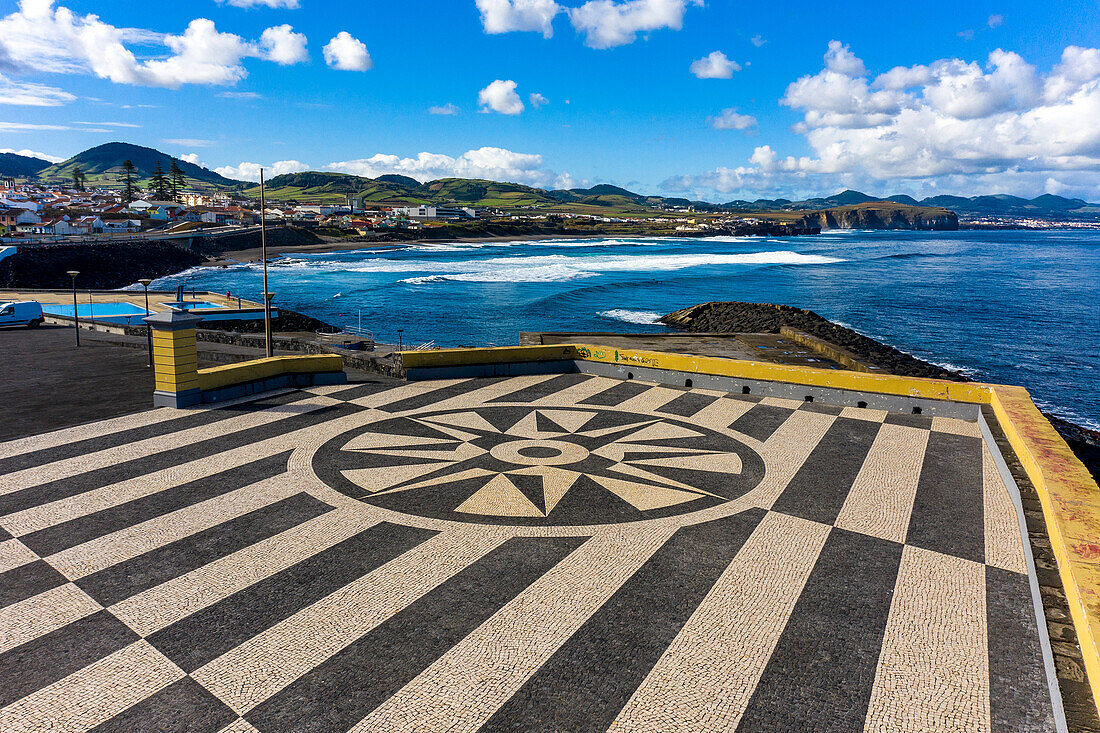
x,y
36,211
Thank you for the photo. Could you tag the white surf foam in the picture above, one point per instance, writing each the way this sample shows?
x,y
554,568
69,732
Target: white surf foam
x,y
642,317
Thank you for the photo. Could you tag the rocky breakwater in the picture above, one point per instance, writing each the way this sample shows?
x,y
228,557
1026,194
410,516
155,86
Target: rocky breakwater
x,y
738,317
883,215
103,265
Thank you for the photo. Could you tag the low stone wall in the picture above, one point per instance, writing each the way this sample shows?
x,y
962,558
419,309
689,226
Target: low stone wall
x,y
830,351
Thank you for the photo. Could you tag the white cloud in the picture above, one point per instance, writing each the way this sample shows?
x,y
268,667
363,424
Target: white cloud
x,y
251,171
758,40
26,94
490,163
504,16
288,4
192,158
34,154
947,126
729,119
444,109
714,66
347,53
840,59
606,23
54,39
995,21
109,124
34,127
537,100
240,95
190,142
500,96
283,46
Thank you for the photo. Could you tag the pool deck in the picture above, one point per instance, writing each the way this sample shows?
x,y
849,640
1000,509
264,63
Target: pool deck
x,y
159,300
538,552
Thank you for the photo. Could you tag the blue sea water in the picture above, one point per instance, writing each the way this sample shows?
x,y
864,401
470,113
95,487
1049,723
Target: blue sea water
x,y
1017,307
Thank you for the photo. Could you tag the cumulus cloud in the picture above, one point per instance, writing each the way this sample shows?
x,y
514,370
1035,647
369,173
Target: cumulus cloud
x,y
54,39
34,154
251,171
500,96
729,119
27,94
444,109
283,46
949,125
606,23
192,158
504,16
497,164
537,100
714,66
347,53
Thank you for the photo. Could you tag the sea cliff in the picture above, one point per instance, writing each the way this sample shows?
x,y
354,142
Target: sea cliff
x,y
877,215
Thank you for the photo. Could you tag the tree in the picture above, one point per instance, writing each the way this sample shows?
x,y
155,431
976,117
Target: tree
x,y
159,184
128,171
176,180
78,178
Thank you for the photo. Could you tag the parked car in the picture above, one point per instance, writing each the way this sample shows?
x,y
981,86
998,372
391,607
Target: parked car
x,y
21,313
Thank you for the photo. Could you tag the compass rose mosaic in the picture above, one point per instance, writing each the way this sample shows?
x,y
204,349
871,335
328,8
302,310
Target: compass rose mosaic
x,y
538,466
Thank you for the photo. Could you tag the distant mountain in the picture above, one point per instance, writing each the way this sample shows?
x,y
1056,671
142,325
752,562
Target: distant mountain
x,y
103,163
1045,206
21,166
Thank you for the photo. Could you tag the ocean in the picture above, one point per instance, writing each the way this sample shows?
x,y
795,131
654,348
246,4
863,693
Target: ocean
x,y
1016,307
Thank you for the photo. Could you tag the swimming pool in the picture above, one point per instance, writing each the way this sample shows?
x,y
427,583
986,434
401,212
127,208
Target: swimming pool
x,y
189,305
98,310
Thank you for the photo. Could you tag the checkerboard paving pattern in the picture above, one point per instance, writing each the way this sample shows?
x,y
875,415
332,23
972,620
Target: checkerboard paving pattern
x,y
562,552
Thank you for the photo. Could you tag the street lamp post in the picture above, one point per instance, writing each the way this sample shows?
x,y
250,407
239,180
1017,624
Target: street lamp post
x,y
148,329
76,320
263,255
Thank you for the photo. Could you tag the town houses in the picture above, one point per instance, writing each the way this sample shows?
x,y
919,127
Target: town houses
x,y
31,211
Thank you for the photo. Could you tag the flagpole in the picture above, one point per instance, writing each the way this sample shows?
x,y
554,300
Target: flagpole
x,y
263,255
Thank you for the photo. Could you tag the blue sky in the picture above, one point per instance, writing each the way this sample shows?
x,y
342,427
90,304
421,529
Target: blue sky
x,y
983,97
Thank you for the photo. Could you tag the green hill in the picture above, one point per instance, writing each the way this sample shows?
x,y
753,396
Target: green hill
x,y
21,166
325,187
103,164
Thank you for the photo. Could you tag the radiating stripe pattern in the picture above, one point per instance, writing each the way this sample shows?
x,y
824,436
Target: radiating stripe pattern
x,y
717,563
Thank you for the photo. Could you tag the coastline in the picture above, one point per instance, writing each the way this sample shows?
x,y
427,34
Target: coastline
x,y
328,246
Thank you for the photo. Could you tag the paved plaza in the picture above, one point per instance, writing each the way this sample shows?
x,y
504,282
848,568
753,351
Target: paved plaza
x,y
553,552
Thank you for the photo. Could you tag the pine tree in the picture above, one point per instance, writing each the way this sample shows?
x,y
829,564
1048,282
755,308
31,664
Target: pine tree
x,y
128,170
78,178
176,180
159,184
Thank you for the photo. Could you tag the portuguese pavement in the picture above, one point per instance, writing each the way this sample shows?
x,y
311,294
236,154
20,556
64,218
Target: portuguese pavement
x,y
560,552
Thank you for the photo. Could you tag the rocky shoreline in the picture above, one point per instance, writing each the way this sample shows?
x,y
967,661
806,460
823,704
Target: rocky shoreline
x,y
733,316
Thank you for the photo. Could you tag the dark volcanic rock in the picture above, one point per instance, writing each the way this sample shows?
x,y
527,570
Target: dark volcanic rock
x,y
287,321
884,216
104,265
734,317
